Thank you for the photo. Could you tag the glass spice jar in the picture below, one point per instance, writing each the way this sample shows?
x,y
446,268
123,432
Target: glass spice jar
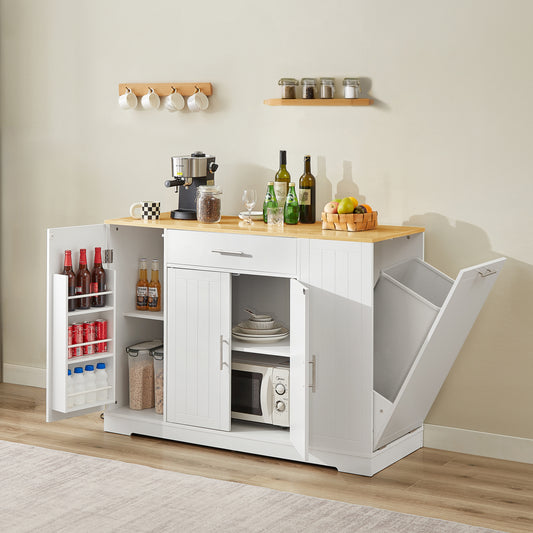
x,y
308,88
352,88
208,204
327,87
288,87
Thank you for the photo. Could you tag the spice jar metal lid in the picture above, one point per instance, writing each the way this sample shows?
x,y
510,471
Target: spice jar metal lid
x,y
308,81
288,81
350,82
327,81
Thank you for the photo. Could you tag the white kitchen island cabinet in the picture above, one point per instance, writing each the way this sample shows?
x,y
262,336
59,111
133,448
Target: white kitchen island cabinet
x,y
362,377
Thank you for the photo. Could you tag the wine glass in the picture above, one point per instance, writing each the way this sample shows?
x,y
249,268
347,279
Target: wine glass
x,y
249,197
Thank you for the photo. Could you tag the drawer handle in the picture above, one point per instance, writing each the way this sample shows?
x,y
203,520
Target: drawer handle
x,y
312,386
227,252
487,272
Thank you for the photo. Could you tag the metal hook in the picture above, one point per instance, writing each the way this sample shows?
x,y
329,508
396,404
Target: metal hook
x,y
173,89
197,89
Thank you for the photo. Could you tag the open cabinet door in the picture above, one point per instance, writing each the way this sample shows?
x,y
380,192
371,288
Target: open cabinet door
x,y
299,351
58,319
394,417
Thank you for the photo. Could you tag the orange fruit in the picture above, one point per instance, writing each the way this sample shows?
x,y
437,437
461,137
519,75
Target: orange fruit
x,y
367,207
355,202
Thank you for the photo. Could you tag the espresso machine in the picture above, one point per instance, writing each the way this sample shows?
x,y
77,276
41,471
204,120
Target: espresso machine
x,y
190,172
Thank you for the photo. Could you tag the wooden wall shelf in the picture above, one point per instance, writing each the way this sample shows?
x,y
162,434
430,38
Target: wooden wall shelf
x,y
319,101
164,89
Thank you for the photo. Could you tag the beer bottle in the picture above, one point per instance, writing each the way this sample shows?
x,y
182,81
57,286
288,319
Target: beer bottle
x,y
83,282
98,279
154,288
307,193
67,271
142,286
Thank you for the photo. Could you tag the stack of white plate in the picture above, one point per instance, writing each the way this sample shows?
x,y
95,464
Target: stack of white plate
x,y
260,329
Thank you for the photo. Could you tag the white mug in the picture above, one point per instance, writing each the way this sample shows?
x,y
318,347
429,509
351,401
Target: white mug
x,y
174,101
128,100
198,101
145,210
150,100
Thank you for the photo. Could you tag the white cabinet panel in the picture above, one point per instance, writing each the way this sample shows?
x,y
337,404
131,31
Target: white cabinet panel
x,y
198,348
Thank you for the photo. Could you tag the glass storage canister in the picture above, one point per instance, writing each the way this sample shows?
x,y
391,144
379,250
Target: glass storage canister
x,y
327,87
208,204
288,87
308,88
141,374
352,88
158,355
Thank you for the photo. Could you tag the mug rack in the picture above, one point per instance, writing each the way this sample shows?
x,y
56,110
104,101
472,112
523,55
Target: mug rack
x,y
164,89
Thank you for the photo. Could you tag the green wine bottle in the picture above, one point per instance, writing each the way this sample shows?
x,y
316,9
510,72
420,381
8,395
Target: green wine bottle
x,y
291,212
282,179
307,193
270,200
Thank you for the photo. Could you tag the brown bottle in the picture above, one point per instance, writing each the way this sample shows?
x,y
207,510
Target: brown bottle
x,y
67,271
142,287
98,279
83,282
154,288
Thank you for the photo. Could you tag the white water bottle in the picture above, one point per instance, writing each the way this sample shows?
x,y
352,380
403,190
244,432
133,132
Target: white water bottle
x,y
70,390
78,380
90,384
100,375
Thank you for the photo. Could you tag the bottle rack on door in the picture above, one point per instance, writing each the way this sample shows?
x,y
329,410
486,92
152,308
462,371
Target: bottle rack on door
x,y
61,320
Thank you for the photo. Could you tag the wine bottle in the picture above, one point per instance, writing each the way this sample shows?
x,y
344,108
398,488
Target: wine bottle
x,y
142,287
98,279
71,282
307,193
154,288
270,200
282,179
291,212
83,282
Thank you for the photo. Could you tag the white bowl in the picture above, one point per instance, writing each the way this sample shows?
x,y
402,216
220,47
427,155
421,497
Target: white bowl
x,y
259,324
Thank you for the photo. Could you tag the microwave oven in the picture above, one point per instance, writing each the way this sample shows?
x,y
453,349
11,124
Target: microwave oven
x,y
260,389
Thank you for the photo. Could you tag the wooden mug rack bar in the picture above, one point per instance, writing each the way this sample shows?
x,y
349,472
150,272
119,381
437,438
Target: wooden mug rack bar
x,y
164,89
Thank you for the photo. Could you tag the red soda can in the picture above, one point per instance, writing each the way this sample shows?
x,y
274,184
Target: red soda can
x,y
89,335
77,330
70,341
101,333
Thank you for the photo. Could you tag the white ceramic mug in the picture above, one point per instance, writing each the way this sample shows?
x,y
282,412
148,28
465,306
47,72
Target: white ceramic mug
x,y
128,100
198,101
150,100
174,101
145,210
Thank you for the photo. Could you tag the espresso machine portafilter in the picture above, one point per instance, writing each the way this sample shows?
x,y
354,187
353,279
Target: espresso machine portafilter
x,y
190,172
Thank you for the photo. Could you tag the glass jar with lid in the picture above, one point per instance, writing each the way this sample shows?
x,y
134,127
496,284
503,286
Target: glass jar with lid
x,y
352,88
308,88
208,204
327,87
288,87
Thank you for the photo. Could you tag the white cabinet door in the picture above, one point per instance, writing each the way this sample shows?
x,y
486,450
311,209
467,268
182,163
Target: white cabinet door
x,y
58,319
198,348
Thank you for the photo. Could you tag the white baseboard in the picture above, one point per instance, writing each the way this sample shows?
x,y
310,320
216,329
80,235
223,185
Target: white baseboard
x,y
479,443
24,375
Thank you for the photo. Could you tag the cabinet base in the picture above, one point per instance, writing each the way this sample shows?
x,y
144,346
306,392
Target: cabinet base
x,y
255,439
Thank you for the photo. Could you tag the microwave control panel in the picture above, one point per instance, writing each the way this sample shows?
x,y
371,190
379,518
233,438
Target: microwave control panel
x,y
280,385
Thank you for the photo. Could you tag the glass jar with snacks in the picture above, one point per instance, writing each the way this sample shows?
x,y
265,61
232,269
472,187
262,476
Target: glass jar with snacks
x,y
352,88
327,87
208,204
308,88
288,87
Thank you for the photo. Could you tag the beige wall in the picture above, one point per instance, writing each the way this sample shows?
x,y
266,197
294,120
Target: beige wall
x,y
447,145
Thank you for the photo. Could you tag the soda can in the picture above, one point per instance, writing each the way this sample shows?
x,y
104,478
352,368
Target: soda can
x,y
101,333
77,330
89,335
70,341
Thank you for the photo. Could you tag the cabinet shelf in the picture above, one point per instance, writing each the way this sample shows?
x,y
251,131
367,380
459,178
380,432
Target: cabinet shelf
x,y
280,348
79,359
319,101
149,315
90,311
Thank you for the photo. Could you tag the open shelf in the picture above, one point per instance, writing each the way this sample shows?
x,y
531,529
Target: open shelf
x,y
319,101
280,348
149,315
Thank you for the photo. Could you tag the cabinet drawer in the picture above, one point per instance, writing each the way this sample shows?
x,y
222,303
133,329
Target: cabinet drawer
x,y
248,253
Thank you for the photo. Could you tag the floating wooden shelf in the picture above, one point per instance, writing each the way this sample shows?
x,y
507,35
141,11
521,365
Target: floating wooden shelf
x,y
319,101
164,89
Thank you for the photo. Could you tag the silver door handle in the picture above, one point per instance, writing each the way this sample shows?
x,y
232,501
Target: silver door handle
x,y
487,272
312,386
222,341
227,252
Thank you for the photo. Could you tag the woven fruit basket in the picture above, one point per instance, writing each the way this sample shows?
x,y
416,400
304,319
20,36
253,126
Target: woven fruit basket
x,y
350,222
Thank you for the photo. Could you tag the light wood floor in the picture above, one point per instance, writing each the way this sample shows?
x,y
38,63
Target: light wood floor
x,y
451,486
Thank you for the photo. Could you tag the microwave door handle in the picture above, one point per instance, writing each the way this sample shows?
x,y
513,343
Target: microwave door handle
x,y
266,396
